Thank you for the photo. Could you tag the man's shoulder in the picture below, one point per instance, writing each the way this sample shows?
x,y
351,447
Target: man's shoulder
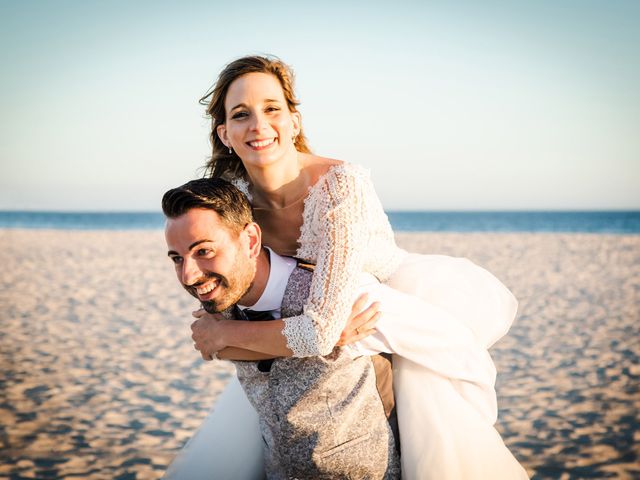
x,y
297,291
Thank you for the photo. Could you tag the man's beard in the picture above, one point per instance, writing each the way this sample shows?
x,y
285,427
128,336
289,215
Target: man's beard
x,y
232,288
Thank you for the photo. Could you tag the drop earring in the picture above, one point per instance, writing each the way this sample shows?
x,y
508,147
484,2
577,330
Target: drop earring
x,y
230,151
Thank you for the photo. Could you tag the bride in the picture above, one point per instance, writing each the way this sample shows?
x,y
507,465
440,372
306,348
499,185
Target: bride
x,y
326,212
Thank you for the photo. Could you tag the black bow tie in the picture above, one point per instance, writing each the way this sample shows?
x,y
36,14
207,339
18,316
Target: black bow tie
x,y
257,315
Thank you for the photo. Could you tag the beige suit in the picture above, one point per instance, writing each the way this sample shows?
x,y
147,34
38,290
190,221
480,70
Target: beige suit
x,y
320,417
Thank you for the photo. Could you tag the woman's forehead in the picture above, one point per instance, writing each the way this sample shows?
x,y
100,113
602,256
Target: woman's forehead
x,y
254,86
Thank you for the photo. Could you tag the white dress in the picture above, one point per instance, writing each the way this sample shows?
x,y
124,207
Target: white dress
x,y
445,399
443,375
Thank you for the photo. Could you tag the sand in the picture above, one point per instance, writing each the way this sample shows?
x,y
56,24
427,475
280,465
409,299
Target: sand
x,y
100,380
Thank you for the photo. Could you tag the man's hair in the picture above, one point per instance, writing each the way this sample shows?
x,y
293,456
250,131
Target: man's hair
x,y
231,205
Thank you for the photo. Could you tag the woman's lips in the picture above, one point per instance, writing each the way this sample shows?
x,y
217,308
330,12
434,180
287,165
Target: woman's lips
x,y
261,144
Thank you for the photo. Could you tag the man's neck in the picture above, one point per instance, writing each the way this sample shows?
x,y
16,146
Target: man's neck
x,y
260,279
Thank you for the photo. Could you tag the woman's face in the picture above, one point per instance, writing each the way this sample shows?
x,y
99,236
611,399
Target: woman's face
x,y
259,125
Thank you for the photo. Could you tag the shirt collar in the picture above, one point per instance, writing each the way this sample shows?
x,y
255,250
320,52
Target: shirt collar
x,y
280,269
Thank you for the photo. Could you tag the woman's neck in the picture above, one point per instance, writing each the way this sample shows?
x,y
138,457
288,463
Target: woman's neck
x,y
279,184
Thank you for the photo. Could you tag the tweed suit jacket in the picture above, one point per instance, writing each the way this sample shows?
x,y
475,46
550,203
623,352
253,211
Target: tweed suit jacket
x,y
320,417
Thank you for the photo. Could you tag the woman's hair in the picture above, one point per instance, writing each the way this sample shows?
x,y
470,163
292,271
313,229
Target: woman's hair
x,y
228,165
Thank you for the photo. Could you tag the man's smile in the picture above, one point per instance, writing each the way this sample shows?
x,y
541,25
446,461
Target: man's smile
x,y
207,288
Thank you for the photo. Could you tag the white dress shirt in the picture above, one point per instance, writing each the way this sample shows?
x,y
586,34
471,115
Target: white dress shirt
x,y
280,269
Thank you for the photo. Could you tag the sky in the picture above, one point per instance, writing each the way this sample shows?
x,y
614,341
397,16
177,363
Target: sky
x,y
452,105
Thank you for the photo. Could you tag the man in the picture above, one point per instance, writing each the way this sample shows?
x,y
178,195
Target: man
x,y
320,417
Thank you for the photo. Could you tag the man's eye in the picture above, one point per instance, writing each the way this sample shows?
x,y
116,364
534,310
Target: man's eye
x,y
204,252
176,260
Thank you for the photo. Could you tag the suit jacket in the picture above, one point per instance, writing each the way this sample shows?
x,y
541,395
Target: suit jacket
x,y
320,417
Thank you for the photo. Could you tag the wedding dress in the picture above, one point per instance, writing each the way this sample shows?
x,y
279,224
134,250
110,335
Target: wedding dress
x,y
443,375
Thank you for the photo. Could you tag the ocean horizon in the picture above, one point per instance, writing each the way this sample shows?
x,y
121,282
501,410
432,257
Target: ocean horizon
x,y
612,222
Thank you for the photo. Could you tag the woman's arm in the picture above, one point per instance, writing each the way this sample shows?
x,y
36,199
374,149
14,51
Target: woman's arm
x,y
339,216
212,333
259,340
240,354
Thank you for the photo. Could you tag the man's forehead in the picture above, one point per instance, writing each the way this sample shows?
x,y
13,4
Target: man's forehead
x,y
202,217
194,225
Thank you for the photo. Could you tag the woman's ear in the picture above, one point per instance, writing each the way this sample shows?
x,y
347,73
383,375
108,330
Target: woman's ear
x,y
297,123
221,130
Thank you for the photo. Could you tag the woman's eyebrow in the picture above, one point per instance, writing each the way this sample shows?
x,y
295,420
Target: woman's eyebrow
x,y
266,100
237,106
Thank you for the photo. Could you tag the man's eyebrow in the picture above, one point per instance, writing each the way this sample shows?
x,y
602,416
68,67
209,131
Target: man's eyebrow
x,y
191,247
195,244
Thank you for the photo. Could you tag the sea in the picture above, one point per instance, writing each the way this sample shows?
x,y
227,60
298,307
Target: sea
x,y
611,222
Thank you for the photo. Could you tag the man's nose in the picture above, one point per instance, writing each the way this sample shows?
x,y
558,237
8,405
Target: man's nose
x,y
191,273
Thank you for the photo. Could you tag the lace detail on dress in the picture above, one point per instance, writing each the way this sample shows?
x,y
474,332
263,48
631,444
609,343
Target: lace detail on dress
x,y
242,185
345,231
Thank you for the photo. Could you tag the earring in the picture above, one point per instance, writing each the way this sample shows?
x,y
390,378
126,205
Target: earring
x,y
230,151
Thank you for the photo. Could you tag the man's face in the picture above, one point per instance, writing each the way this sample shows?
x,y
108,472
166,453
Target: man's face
x,y
212,262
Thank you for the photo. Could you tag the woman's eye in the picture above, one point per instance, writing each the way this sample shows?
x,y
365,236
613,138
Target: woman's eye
x,y
272,108
238,115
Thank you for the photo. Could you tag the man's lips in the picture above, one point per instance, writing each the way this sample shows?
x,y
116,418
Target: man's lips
x,y
205,289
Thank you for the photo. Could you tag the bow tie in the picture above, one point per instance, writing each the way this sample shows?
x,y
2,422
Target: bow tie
x,y
257,315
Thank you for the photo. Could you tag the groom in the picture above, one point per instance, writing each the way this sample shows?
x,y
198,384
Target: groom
x,y
320,417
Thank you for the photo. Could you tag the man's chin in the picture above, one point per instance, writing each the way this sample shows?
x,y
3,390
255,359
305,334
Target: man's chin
x,y
216,306
210,307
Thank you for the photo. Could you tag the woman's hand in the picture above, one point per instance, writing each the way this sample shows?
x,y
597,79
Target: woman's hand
x,y
361,322
207,333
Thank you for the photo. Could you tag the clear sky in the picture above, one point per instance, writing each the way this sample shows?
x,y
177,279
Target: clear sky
x,y
451,104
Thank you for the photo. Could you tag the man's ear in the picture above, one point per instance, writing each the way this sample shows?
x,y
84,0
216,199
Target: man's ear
x,y
254,235
221,130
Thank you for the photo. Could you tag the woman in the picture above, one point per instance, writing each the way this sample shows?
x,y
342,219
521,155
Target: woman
x,y
326,212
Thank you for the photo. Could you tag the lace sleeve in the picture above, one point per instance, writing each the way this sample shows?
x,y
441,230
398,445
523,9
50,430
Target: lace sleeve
x,y
341,231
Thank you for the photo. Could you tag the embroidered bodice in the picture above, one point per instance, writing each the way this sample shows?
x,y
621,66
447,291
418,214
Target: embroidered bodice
x,y
344,231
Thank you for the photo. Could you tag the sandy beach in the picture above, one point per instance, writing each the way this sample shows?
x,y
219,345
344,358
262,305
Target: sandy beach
x,y
100,380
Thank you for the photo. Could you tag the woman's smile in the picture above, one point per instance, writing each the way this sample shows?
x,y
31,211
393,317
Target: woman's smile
x,y
261,144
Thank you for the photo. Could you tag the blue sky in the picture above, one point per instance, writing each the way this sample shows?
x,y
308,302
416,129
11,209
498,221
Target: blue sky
x,y
452,105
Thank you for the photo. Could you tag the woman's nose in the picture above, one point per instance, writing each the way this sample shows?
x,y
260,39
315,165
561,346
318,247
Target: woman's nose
x,y
259,121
